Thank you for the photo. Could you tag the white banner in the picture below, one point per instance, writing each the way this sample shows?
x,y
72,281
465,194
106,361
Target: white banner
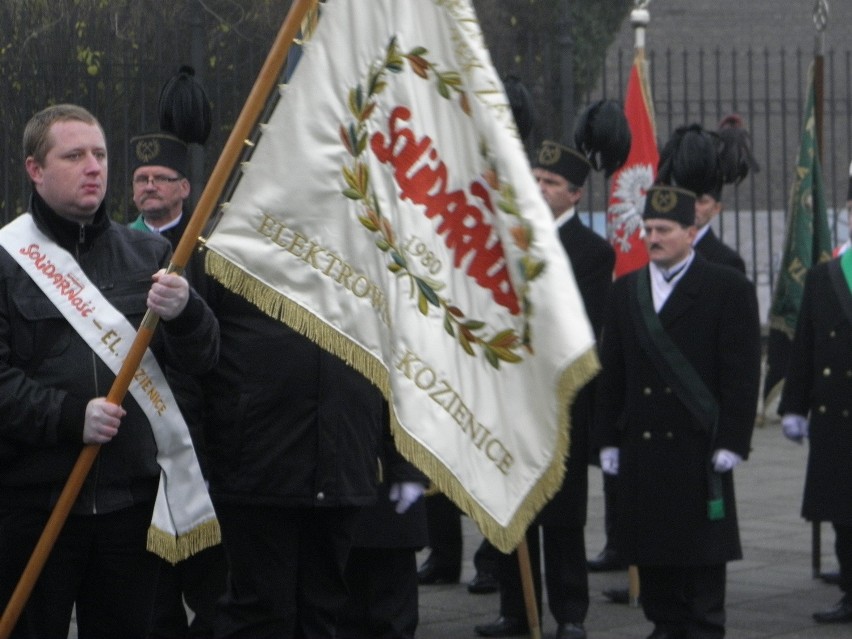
x,y
389,213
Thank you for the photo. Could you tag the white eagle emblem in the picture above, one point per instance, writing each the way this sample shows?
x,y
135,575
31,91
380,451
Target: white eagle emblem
x,y
624,215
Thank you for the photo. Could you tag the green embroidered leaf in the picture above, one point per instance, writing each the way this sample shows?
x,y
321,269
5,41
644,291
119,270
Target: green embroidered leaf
x,y
448,325
443,90
423,304
451,78
399,259
465,344
367,222
427,292
353,194
384,246
506,355
504,339
473,325
491,357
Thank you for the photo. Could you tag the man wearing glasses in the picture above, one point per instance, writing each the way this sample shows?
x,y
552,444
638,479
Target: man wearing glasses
x,y
160,187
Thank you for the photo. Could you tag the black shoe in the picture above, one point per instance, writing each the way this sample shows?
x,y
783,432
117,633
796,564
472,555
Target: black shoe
x,y
617,595
606,561
841,613
503,627
431,573
483,583
570,631
830,577
664,633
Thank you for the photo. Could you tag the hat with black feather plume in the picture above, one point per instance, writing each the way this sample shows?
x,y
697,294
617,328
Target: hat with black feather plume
x,y
184,113
602,135
688,168
735,158
602,139
521,102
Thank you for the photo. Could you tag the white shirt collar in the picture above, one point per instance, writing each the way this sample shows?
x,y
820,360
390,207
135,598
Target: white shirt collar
x,y
564,217
661,288
164,227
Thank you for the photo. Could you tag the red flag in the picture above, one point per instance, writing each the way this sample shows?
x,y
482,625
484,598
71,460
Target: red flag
x,y
631,181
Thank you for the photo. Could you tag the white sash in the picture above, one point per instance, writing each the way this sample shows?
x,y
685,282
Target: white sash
x,y
184,521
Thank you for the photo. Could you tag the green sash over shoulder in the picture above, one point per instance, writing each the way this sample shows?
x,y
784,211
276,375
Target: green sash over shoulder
x,y
681,377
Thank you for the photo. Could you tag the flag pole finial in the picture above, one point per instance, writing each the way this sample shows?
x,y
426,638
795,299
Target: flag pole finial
x,y
639,19
821,11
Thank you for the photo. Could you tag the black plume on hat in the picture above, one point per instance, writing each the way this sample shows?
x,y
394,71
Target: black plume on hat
x,y
690,160
522,105
735,158
185,108
602,134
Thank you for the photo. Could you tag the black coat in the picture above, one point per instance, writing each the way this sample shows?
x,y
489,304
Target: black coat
x,y
287,423
712,317
592,260
819,384
716,251
48,373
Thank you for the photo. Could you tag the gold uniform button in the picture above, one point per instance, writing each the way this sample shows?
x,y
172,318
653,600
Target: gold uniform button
x,y
832,334
646,435
647,390
822,409
320,496
826,372
670,435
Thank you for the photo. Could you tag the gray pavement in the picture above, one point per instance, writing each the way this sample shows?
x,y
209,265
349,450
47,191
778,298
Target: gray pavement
x,y
771,592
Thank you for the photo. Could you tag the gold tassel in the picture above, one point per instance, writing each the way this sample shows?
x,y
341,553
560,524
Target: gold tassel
x,y
174,549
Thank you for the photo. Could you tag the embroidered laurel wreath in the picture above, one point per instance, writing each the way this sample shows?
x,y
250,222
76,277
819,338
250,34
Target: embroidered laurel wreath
x,y
497,346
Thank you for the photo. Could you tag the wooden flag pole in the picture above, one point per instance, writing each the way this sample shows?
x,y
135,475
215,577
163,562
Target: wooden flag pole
x,y
525,566
266,82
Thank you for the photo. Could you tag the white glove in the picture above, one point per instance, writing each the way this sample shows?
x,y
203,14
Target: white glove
x,y
725,460
404,494
609,460
795,427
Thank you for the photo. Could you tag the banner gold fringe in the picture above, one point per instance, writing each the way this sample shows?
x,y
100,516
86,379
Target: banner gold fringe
x,y
177,548
580,372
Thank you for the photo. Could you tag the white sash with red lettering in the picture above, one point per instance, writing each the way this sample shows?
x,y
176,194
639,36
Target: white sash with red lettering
x,y
184,521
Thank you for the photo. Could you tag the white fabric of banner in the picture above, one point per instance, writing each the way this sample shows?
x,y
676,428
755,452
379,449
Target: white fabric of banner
x,y
389,201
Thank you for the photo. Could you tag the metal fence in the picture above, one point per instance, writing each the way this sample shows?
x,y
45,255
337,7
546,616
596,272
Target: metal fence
x,y
766,87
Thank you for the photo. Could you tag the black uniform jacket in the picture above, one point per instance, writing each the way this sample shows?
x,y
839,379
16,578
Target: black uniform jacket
x,y
287,423
819,384
592,260
712,317
716,251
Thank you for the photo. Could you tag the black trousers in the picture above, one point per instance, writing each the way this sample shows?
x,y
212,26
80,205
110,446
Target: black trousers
x,y
565,573
285,578
99,563
200,580
688,601
443,521
382,600
843,550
